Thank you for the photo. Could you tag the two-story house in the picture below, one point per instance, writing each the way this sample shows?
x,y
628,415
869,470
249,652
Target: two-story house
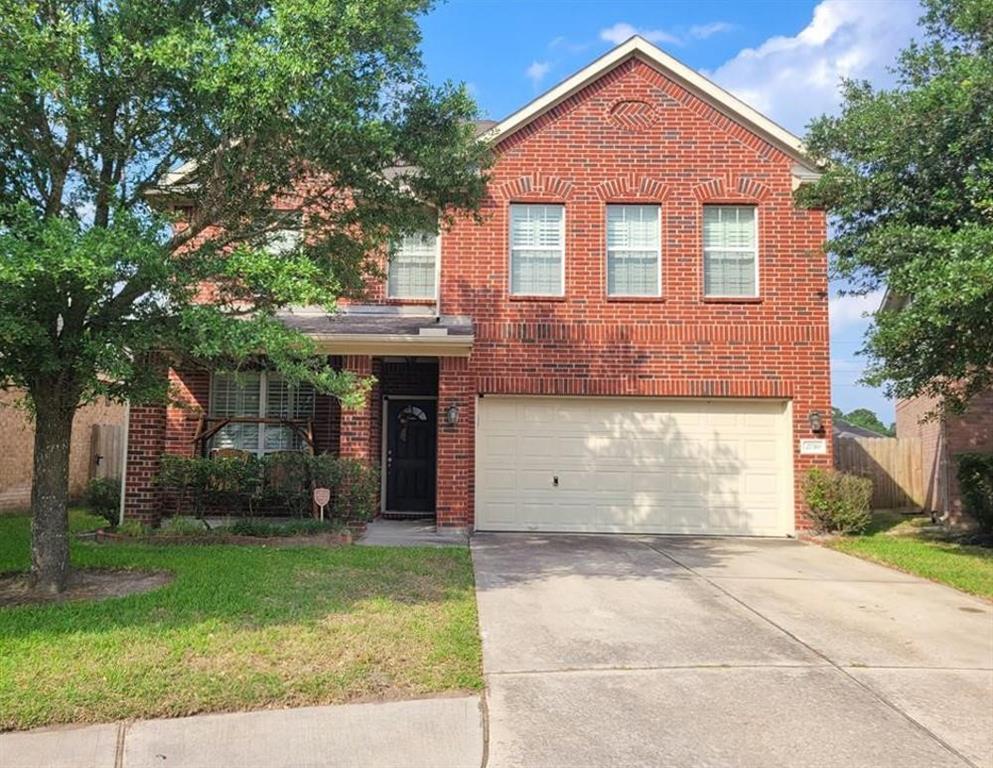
x,y
634,339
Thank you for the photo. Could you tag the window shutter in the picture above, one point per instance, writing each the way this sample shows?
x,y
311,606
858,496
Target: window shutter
x,y
236,394
286,401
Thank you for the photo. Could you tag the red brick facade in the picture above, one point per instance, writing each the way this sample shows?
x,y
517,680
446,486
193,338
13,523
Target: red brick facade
x,y
942,439
632,136
679,345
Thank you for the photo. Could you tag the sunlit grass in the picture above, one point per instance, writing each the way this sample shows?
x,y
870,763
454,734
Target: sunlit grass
x,y
907,544
238,628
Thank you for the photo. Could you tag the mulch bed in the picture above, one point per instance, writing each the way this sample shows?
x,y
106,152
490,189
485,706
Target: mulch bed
x,y
92,584
276,542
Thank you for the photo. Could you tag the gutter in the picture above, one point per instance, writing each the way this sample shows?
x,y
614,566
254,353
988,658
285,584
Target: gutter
x,y
124,459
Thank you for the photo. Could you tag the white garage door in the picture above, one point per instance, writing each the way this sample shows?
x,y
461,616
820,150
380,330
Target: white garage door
x,y
634,465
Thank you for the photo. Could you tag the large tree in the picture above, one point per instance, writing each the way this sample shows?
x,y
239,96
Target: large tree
x,y
102,101
910,186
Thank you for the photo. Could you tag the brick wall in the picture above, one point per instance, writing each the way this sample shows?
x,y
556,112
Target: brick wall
x,y
146,444
456,449
679,345
586,153
17,447
191,401
972,432
942,440
355,436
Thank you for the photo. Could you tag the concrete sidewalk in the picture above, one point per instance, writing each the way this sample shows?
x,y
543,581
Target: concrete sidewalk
x,y
425,733
410,533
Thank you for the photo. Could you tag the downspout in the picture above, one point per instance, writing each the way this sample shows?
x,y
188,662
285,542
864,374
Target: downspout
x,y
124,459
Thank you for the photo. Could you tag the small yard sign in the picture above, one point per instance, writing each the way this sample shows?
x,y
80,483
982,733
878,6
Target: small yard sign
x,y
321,498
816,447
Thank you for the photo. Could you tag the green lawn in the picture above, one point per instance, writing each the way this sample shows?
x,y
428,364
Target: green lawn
x,y
238,628
910,545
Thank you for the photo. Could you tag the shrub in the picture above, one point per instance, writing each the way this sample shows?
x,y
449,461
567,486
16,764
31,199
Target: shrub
x,y
279,482
354,486
132,528
182,526
838,502
103,497
975,475
286,482
228,482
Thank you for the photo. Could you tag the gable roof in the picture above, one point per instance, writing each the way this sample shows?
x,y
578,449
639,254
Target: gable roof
x,y
638,47
805,167
843,428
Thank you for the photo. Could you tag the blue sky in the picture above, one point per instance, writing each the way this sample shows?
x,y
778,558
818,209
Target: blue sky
x,y
784,58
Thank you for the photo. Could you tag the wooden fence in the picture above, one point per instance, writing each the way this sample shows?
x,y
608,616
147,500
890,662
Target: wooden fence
x,y
17,447
893,464
106,450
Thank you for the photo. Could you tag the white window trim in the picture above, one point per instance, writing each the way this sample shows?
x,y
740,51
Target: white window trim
x,y
263,404
511,249
703,248
606,263
437,277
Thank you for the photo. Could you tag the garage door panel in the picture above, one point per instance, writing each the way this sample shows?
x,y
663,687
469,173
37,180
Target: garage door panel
x,y
645,465
649,482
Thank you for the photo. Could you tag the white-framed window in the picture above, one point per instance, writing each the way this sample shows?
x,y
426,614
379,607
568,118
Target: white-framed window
x,y
537,250
413,267
264,395
634,250
288,238
730,251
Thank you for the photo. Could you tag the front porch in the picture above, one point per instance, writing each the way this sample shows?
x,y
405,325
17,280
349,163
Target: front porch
x,y
415,424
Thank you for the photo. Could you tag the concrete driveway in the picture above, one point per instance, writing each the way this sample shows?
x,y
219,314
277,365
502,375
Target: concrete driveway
x,y
664,651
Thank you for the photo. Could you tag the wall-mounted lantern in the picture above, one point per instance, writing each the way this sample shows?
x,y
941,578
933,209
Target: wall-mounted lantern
x,y
452,415
816,419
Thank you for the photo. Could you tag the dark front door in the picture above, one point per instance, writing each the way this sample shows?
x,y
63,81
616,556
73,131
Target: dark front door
x,y
411,448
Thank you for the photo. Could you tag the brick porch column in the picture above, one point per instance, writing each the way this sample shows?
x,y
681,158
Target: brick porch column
x,y
146,443
356,440
456,445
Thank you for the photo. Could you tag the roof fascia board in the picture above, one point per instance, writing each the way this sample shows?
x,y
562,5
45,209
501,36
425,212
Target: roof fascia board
x,y
393,344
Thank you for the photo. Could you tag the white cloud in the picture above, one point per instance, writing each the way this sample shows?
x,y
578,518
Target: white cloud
x,y
703,31
563,44
844,365
793,79
848,311
621,31
537,71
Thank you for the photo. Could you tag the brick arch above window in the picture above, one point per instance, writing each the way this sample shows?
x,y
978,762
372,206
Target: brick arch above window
x,y
538,185
732,187
632,187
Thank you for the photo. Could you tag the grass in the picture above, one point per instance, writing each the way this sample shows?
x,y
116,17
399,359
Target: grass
x,y
912,545
239,628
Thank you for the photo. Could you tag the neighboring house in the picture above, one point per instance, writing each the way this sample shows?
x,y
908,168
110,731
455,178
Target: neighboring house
x,y
942,439
17,448
634,339
842,428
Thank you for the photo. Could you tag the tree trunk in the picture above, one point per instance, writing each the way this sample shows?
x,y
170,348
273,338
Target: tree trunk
x,y
50,491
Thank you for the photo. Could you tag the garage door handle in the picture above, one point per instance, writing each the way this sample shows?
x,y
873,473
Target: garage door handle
x,y
555,481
